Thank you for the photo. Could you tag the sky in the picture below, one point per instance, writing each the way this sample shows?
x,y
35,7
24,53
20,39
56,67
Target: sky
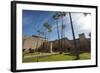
x,y
32,21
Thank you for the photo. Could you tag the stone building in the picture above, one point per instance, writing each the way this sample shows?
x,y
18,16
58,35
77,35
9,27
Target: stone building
x,y
33,42
63,44
84,42
40,44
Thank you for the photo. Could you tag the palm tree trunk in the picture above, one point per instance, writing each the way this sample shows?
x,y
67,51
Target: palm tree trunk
x,y
37,49
75,47
59,45
62,35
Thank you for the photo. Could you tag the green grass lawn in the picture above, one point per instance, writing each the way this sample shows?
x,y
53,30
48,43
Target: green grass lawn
x,y
58,57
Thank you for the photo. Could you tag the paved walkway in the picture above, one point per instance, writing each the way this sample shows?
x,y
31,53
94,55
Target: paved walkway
x,y
40,55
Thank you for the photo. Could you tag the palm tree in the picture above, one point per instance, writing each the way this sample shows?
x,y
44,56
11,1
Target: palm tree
x,y
38,31
45,25
76,50
56,18
90,34
50,30
39,35
61,15
42,34
48,27
85,14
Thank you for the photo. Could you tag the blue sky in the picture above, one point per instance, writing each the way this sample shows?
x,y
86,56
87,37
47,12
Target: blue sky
x,y
33,20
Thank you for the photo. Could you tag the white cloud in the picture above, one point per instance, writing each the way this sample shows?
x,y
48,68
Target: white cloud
x,y
85,22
